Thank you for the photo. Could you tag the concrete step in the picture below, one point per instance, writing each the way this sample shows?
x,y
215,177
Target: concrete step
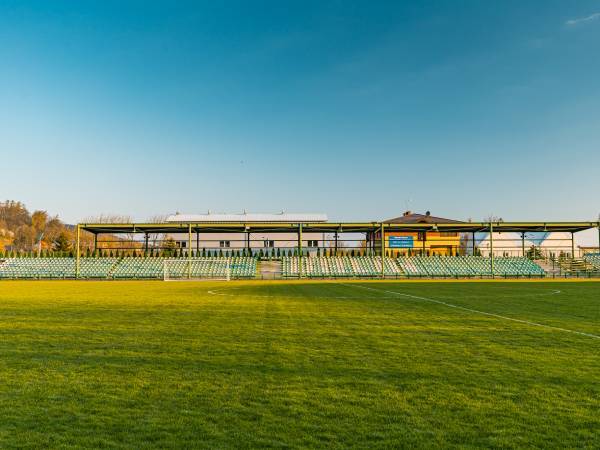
x,y
270,269
549,268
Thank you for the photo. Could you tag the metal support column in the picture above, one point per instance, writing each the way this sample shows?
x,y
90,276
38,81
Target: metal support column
x,y
300,251
492,249
372,243
473,243
336,243
572,245
197,242
77,251
424,236
146,242
95,242
189,252
382,251
523,244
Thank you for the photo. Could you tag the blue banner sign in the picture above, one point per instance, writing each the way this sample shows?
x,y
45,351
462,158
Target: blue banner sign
x,y
401,242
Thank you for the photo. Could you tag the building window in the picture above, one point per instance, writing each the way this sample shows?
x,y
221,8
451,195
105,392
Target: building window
x,y
268,244
182,244
224,244
448,234
313,243
421,236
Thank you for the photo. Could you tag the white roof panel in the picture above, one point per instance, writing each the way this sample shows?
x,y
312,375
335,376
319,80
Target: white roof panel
x,y
249,217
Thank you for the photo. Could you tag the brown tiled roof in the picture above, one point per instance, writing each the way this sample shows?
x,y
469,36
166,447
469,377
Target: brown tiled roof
x,y
420,218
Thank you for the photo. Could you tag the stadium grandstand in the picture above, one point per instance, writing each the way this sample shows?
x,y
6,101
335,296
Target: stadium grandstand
x,y
259,246
262,239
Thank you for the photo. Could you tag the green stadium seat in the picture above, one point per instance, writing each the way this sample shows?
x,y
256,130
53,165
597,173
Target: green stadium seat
x,y
338,266
126,268
245,267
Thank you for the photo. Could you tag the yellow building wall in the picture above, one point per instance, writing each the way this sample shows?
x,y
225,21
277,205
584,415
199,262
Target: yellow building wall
x,y
435,243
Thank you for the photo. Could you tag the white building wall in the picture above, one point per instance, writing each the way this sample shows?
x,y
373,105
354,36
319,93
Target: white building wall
x,y
510,244
505,244
237,241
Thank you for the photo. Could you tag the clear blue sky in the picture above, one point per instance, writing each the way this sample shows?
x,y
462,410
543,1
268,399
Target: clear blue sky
x,y
353,109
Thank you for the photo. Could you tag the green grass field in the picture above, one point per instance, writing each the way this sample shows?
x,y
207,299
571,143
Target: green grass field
x,y
251,364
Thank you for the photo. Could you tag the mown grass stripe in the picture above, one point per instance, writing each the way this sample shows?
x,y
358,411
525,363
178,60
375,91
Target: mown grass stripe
x,y
476,311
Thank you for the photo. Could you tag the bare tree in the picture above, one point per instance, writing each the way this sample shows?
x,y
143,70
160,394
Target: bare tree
x,y
493,218
108,218
155,239
108,240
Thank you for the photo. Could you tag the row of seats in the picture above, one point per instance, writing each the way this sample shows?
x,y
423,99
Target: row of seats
x,y
37,268
415,266
466,266
95,267
338,266
594,260
245,267
234,267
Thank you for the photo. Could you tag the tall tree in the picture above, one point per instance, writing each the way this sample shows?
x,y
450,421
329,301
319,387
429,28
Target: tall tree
x,y
14,214
25,238
63,242
39,220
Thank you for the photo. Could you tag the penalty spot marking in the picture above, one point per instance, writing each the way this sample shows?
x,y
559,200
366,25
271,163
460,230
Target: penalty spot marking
x,y
476,311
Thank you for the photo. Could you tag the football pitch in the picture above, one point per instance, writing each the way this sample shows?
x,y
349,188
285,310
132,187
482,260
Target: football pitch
x,y
300,364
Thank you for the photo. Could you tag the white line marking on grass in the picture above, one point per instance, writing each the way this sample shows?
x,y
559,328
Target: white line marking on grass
x,y
476,311
220,292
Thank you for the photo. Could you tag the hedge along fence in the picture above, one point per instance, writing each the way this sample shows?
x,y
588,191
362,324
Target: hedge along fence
x,y
106,253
